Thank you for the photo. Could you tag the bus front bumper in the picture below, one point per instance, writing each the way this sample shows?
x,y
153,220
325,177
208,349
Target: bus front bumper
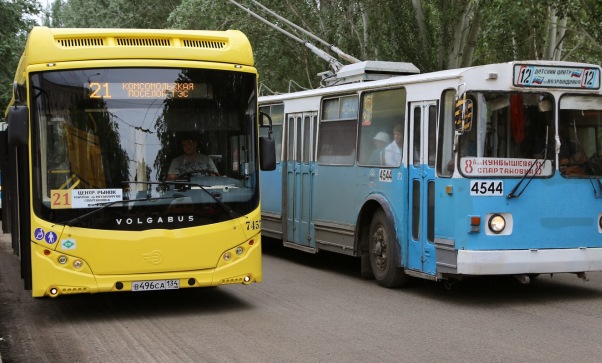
x,y
535,261
52,279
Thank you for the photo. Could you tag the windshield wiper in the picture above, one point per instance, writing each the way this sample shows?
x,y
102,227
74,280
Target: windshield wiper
x,y
592,175
513,191
223,205
104,206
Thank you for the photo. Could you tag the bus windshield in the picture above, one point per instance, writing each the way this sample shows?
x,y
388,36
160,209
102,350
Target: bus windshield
x,y
110,136
512,135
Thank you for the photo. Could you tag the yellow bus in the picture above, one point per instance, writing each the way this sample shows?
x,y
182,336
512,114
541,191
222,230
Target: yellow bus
x,y
133,161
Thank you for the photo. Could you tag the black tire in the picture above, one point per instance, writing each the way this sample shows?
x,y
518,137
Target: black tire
x,y
384,253
366,268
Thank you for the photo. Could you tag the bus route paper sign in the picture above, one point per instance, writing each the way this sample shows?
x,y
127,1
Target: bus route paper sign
x,y
481,166
84,198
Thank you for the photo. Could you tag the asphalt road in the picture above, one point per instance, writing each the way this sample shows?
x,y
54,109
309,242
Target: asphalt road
x,y
309,308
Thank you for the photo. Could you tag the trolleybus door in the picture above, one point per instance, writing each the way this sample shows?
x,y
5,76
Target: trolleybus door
x,y
421,165
301,131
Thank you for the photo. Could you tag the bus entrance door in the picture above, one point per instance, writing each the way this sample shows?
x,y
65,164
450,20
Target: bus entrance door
x,y
300,133
421,165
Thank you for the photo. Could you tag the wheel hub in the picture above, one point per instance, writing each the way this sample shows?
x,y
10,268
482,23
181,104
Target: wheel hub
x,y
380,248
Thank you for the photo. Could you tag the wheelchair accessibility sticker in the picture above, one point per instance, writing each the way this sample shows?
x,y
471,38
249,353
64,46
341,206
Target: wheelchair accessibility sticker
x,y
38,234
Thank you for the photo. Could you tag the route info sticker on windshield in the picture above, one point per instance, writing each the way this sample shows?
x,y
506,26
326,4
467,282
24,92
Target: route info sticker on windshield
x,y
83,198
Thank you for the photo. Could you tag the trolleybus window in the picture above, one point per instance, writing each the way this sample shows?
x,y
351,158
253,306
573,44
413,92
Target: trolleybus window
x,y
445,164
338,126
432,111
381,112
580,131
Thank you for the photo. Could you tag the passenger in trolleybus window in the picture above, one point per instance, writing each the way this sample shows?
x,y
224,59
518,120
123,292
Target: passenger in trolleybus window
x,y
393,150
191,161
381,140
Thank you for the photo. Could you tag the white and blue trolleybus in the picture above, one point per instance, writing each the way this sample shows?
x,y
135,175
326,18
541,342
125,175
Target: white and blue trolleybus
x,y
487,170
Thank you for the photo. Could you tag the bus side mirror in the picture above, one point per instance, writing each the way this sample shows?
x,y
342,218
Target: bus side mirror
x,y
463,115
267,152
267,145
18,125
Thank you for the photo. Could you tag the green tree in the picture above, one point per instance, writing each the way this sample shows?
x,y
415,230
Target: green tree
x,y
17,17
145,14
432,34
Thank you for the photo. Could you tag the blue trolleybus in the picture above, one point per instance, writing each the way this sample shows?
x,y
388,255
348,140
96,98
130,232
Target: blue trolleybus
x,y
487,170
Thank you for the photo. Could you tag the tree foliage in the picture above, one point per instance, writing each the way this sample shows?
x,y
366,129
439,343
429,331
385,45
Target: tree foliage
x,y
432,34
16,18
146,14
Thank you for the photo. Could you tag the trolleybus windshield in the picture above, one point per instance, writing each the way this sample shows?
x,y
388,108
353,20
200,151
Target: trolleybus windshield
x,y
516,130
511,132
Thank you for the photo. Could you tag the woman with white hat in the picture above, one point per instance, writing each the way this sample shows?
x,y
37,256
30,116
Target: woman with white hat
x,y
381,140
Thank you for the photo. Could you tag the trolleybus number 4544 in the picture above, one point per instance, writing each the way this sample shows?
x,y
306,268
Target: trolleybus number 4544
x,y
486,188
155,285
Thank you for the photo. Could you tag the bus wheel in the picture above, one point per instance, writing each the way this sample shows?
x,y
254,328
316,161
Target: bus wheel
x,y
383,254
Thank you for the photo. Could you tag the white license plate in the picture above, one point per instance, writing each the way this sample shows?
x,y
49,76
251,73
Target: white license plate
x,y
153,285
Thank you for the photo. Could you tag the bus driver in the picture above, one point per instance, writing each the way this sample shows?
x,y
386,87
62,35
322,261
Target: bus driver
x,y
191,161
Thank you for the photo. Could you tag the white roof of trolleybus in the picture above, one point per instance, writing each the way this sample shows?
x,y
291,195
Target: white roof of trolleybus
x,y
497,76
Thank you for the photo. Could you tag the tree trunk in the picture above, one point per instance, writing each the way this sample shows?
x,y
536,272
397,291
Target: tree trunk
x,y
366,23
422,32
551,43
471,38
560,37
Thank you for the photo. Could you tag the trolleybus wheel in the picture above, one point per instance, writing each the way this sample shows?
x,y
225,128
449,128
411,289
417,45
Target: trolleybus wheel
x,y
383,253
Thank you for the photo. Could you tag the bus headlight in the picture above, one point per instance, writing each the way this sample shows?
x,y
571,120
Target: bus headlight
x,y
497,223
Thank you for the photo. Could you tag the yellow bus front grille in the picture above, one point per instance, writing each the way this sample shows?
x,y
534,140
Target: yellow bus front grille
x,y
143,42
139,42
81,42
203,44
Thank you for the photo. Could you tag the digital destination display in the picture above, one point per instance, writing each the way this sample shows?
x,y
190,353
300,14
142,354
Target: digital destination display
x,y
151,90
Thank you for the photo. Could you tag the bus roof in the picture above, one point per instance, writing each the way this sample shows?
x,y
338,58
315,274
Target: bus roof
x,y
51,45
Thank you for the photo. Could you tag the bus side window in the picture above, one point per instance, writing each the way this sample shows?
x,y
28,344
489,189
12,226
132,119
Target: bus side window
x,y
338,130
381,112
445,159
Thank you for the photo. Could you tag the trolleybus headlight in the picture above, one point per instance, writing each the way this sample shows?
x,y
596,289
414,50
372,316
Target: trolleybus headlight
x,y
62,260
239,250
227,256
497,223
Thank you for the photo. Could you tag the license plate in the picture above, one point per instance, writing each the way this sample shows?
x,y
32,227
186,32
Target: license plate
x,y
153,285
